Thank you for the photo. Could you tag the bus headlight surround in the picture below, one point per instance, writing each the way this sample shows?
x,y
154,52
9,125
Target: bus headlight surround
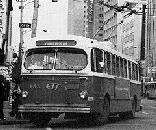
x,y
83,95
24,94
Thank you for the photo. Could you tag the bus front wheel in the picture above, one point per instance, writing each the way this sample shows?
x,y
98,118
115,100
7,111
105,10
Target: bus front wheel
x,y
103,116
40,119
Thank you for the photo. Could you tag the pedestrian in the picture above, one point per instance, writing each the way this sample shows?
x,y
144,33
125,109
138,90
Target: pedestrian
x,y
2,85
16,92
16,103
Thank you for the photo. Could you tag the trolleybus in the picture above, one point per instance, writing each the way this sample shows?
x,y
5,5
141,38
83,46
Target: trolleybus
x,y
77,76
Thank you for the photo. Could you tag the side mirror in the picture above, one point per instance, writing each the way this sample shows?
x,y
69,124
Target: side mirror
x,y
14,55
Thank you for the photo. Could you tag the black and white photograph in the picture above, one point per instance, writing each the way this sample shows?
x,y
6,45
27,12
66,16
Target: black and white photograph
x,y
77,64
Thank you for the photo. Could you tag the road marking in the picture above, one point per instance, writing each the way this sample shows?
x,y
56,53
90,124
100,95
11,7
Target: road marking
x,y
145,113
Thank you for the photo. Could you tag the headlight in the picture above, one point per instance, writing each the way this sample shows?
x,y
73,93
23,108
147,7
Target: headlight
x,y
83,95
24,94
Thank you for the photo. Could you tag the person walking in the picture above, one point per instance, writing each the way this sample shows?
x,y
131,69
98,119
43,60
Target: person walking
x,y
2,85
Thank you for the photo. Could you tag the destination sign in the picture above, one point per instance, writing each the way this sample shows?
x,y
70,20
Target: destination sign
x,y
56,43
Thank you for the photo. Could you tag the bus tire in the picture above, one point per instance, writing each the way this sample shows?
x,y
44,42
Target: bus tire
x,y
40,119
103,116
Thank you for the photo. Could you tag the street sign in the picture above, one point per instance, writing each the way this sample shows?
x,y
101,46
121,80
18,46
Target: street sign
x,y
25,25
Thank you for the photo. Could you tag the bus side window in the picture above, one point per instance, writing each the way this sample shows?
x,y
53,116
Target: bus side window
x,y
97,60
137,76
133,71
125,68
129,70
108,59
121,67
113,64
105,63
93,60
117,66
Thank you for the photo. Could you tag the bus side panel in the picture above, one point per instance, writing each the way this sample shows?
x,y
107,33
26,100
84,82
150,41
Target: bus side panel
x,y
101,86
135,90
121,101
122,88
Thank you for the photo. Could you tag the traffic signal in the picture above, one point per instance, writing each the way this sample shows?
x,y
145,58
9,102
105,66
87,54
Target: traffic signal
x,y
54,0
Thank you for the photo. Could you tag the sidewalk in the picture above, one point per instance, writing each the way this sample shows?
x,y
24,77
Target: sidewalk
x,y
9,119
146,103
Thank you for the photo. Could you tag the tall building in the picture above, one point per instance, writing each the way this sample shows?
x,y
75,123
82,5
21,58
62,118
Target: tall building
x,y
123,31
131,31
105,21
3,17
80,18
150,58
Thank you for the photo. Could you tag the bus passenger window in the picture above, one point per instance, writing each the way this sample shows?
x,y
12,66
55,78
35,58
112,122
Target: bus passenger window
x,y
121,67
129,70
136,67
117,66
113,64
125,68
99,61
108,59
133,71
105,63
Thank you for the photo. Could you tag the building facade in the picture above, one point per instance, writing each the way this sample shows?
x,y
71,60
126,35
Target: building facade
x,y
150,57
123,30
105,21
3,17
80,15
131,31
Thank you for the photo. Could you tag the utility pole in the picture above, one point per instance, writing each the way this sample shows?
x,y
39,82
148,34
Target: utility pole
x,y
35,18
17,72
21,31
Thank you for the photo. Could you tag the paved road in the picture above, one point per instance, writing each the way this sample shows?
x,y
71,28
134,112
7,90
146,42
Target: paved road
x,y
145,120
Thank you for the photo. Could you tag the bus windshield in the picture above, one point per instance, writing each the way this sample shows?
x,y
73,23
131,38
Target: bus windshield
x,y
56,58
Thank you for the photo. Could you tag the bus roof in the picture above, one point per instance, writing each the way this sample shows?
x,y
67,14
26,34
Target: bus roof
x,y
83,42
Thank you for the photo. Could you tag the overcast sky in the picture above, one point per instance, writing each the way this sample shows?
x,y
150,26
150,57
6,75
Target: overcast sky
x,y
52,17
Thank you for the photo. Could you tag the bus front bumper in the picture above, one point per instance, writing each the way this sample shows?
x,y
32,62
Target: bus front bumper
x,y
55,108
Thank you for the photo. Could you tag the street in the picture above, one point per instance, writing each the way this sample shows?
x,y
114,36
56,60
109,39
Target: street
x,y
145,120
